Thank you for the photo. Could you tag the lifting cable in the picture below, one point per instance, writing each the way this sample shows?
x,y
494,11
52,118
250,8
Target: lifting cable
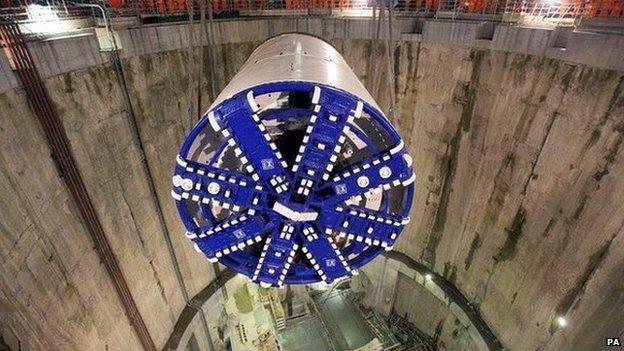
x,y
196,83
136,136
190,4
390,46
194,68
376,29
212,50
212,44
200,60
370,55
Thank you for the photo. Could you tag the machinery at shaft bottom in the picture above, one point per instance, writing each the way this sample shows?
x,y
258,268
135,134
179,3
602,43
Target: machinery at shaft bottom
x,y
294,175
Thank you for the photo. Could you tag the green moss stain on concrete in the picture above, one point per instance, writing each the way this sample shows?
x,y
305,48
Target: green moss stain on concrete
x,y
514,232
68,83
549,226
450,160
438,331
468,109
579,286
474,246
580,207
513,297
243,300
616,102
450,272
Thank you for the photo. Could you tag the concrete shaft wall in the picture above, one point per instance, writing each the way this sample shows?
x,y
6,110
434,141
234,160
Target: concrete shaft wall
x,y
391,286
516,145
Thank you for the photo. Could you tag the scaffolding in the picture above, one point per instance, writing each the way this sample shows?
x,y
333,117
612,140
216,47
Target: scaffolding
x,y
410,337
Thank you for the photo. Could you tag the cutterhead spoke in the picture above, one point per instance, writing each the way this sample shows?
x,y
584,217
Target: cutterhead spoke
x,y
230,236
210,185
323,140
276,257
240,124
390,169
324,255
361,225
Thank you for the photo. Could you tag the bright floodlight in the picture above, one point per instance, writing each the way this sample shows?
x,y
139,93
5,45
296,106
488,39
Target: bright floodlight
x,y
43,19
294,175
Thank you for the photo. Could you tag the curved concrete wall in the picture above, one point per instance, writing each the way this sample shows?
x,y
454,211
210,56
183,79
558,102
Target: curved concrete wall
x,y
397,284
516,145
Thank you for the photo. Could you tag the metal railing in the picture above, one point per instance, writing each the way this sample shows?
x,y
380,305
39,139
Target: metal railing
x,y
35,12
558,11
542,8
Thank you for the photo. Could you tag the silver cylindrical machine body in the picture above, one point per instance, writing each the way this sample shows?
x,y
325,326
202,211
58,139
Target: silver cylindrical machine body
x,y
296,58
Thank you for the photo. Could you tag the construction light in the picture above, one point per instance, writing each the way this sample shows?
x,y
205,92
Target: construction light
x,y
43,19
41,13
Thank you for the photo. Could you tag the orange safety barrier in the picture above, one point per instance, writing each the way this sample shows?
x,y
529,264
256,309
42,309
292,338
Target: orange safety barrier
x,y
323,4
252,4
561,8
153,6
294,4
478,6
422,5
522,6
605,8
570,8
432,5
472,6
219,5
513,6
